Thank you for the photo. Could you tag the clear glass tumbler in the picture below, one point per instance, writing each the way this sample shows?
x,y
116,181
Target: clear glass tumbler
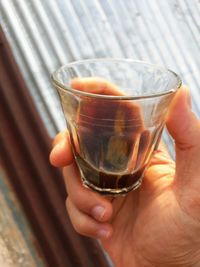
x,y
115,111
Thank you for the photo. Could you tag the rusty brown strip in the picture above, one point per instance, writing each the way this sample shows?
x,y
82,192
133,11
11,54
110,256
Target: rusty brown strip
x,y
24,149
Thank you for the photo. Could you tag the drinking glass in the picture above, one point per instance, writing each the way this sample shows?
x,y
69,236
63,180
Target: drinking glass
x,y
115,111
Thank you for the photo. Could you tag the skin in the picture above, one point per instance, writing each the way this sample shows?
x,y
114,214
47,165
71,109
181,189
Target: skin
x,y
157,225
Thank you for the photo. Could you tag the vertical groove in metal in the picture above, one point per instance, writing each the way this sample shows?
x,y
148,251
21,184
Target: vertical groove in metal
x,y
132,30
101,25
150,31
185,55
75,26
61,30
89,27
117,26
191,21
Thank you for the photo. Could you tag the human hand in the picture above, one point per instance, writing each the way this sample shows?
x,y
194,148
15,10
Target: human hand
x,y
158,224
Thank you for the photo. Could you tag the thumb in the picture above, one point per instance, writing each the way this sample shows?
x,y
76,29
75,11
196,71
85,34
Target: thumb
x,y
184,127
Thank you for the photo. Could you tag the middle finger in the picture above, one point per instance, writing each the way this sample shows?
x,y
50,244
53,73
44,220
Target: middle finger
x,y
85,199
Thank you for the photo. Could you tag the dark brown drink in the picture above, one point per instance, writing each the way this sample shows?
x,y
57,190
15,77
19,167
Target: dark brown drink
x,y
107,182
110,144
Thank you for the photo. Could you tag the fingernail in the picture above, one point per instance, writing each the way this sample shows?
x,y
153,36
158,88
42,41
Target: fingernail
x,y
54,153
57,148
103,233
98,212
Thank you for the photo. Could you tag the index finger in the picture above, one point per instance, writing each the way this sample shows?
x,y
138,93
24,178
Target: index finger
x,y
61,153
96,85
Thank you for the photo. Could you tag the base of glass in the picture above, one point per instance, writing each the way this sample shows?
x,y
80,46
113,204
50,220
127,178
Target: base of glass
x,y
112,192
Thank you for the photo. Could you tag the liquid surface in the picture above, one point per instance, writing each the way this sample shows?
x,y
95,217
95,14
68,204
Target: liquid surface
x,y
108,181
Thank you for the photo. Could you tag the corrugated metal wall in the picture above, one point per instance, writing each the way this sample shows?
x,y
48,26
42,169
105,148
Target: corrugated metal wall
x,y
47,33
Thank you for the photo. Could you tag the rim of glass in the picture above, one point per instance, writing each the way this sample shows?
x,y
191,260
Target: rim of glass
x,y
66,88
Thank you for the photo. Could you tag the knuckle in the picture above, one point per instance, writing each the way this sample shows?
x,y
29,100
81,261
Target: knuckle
x,y
79,198
83,200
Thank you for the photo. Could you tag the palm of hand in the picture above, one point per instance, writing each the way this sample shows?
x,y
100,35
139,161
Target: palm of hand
x,y
149,224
